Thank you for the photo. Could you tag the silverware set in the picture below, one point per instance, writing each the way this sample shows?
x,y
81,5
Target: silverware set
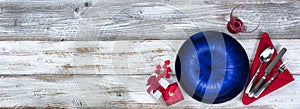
x,y
265,56
280,69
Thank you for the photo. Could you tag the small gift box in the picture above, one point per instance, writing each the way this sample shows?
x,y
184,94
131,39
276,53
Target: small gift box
x,y
172,94
161,87
164,88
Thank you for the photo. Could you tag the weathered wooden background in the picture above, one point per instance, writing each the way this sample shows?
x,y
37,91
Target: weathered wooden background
x,y
99,54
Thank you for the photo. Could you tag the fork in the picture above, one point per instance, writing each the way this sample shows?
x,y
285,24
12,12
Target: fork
x,y
280,69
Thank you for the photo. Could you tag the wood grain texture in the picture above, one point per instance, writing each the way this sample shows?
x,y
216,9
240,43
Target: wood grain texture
x,y
89,20
108,57
114,91
99,53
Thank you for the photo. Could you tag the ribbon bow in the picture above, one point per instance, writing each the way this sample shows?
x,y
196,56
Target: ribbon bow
x,y
153,80
166,69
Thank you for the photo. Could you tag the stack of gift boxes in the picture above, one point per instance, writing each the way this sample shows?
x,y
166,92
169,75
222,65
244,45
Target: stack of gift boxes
x,y
162,87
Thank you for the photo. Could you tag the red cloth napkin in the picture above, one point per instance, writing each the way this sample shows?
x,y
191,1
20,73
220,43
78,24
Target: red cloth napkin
x,y
281,80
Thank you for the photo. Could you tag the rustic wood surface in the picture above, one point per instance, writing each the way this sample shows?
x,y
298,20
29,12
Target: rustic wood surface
x,y
108,57
99,53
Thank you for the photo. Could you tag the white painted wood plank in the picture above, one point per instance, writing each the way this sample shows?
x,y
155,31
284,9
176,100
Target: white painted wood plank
x,y
108,57
91,20
114,91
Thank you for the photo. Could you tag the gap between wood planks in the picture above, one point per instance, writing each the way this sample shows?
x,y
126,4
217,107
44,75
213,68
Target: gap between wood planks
x,y
109,57
82,20
109,91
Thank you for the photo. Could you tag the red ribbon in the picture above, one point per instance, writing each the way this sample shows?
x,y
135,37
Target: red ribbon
x,y
166,69
154,85
236,25
153,80
172,93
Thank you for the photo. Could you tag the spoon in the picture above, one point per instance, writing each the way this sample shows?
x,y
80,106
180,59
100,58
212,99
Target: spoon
x,y
264,57
267,72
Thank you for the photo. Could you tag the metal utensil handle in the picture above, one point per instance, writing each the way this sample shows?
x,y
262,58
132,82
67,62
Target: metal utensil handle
x,y
262,89
267,71
274,62
252,80
257,86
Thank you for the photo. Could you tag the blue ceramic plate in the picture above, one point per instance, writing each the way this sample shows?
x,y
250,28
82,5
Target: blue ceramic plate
x,y
212,67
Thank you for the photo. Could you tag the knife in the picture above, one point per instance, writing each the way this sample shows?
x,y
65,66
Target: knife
x,y
267,71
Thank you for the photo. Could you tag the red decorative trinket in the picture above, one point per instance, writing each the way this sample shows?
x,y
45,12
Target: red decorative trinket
x,y
172,94
236,25
160,86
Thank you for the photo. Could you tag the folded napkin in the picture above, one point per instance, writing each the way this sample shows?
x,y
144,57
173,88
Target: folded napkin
x,y
281,80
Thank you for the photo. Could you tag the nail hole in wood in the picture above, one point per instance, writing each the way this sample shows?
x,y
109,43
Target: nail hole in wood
x,y
76,9
119,94
87,4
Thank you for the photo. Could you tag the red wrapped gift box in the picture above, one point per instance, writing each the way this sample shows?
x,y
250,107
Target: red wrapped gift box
x,y
164,89
172,94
